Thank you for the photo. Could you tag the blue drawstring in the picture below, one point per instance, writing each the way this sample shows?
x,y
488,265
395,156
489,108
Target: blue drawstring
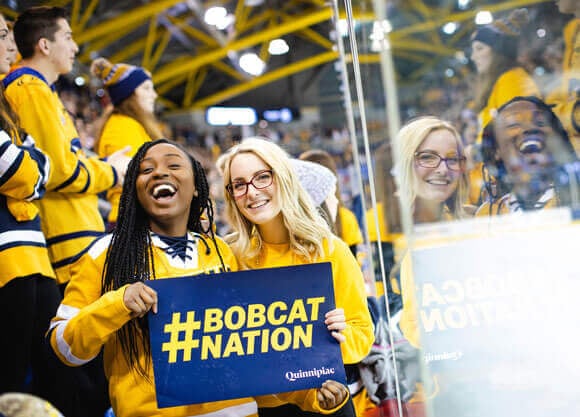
x,y
176,246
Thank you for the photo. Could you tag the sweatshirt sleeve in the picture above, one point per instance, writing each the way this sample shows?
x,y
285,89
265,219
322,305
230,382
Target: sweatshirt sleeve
x,y
409,323
45,118
86,319
350,294
24,170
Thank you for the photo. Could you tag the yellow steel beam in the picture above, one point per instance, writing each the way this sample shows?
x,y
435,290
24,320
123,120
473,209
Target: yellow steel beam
x,y
408,55
149,42
264,53
59,3
226,69
104,41
416,45
192,32
255,21
167,103
193,85
269,77
459,17
315,37
420,7
8,12
89,10
310,34
240,14
166,87
171,70
131,50
75,13
139,14
161,47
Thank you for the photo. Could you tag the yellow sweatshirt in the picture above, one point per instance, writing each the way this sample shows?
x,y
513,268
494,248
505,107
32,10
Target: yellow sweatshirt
x,y
69,213
120,131
24,171
512,83
86,321
349,291
351,233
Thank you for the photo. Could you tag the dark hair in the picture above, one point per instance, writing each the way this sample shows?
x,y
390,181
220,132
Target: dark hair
x,y
130,254
34,24
494,166
8,118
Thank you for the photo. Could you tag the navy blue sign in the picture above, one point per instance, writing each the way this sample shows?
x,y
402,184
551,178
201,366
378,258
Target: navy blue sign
x,y
241,334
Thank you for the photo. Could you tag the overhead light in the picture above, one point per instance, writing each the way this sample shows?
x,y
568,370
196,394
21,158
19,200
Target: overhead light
x,y
252,64
278,47
342,27
483,17
79,81
235,116
450,28
253,3
463,4
214,15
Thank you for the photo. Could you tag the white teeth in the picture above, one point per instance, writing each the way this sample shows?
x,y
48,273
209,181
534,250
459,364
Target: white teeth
x,y
438,182
166,189
258,204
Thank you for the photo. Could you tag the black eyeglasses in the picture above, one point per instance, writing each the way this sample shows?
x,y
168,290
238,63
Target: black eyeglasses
x,y
433,160
261,179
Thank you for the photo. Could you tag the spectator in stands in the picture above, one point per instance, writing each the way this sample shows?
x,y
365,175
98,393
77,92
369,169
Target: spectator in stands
x,y
132,120
28,291
275,224
499,77
69,214
528,152
567,97
160,234
432,185
345,224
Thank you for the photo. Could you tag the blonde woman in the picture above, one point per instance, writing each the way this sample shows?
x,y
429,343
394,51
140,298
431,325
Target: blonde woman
x,y
275,224
433,186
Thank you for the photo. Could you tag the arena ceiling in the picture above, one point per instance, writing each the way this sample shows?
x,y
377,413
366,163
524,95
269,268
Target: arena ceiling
x,y
195,65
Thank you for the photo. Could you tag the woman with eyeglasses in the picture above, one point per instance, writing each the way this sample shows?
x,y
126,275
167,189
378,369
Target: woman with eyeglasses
x,y
433,186
275,224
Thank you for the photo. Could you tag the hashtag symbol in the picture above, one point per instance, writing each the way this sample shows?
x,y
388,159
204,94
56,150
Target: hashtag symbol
x,y
188,343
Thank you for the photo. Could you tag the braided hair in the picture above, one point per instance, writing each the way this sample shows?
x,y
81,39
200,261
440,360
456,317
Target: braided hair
x,y
130,254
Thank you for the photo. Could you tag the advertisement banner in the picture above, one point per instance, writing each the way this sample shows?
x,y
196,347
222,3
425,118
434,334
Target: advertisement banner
x,y
241,334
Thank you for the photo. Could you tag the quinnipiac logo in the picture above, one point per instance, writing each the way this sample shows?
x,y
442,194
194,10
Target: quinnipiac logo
x,y
311,373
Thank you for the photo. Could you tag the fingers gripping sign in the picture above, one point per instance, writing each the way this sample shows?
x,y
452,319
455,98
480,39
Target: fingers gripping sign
x,y
335,321
139,298
331,394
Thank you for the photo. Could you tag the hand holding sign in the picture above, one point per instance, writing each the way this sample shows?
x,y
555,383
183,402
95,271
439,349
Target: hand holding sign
x,y
331,394
139,298
335,321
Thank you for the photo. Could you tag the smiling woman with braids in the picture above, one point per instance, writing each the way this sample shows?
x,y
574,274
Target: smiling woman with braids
x,y
159,234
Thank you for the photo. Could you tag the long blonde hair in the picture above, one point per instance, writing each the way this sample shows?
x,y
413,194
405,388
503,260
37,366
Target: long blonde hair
x,y
408,140
306,228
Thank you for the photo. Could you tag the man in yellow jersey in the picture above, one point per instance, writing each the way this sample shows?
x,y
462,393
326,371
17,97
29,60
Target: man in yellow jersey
x,y
69,213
